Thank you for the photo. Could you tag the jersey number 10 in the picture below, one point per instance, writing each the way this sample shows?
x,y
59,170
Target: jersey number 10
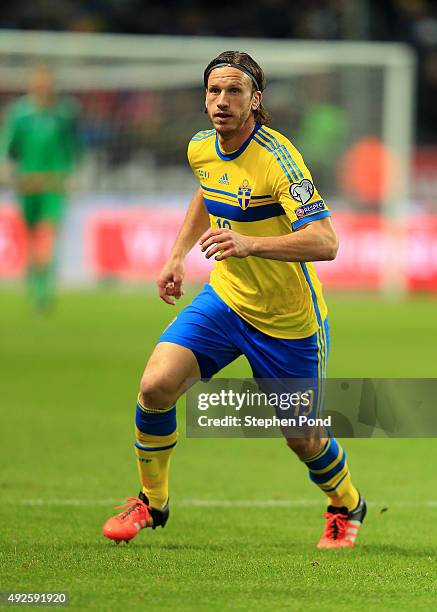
x,y
224,224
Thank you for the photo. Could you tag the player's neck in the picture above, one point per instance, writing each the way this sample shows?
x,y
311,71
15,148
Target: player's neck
x,y
44,101
232,142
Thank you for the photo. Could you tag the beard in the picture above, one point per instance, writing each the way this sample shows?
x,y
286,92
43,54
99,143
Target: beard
x,y
229,126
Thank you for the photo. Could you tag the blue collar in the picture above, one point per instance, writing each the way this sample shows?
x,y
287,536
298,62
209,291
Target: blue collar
x,y
228,157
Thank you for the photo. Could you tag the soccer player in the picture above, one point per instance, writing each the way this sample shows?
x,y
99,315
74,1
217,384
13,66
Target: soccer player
x,y
258,213
40,136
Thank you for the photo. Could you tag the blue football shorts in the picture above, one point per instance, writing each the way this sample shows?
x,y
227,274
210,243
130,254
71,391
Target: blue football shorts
x,y
217,336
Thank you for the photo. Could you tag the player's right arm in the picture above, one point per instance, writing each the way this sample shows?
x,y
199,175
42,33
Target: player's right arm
x,y
196,222
8,145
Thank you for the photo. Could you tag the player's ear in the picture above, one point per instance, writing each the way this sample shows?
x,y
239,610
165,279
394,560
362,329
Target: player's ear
x,y
256,100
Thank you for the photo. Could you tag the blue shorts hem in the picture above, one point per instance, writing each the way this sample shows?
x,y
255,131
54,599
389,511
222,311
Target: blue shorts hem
x,y
207,365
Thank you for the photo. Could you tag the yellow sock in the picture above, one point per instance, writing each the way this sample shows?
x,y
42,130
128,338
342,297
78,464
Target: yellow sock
x,y
153,465
329,471
156,437
345,494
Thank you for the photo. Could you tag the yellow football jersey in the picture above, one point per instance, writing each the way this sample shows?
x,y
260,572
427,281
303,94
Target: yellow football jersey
x,y
262,189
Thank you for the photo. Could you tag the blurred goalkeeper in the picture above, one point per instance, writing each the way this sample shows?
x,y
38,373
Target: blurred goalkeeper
x,y
40,136
258,213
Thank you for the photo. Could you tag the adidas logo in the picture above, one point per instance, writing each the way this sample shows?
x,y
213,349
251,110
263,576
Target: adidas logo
x,y
224,180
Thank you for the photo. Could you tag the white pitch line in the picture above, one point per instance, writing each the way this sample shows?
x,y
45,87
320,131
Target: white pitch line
x,y
215,503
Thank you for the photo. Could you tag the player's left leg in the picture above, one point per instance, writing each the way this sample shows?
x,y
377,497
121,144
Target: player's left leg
x,y
273,358
329,470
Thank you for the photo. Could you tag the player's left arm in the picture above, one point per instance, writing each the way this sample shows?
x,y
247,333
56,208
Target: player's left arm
x,y
76,142
316,241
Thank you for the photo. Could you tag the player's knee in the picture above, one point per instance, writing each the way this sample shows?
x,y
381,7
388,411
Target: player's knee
x,y
304,447
155,393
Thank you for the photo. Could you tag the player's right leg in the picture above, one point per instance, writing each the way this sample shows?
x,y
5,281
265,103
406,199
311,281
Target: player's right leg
x,y
163,382
165,379
41,249
196,345
43,245
30,212
41,213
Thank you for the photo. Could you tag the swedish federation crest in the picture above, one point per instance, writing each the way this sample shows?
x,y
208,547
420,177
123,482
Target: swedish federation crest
x,y
244,192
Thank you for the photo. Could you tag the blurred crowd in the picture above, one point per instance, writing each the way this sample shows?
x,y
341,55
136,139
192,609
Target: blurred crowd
x,y
410,21
125,132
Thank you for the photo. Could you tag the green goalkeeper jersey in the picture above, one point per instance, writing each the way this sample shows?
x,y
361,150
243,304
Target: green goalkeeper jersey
x,y
42,139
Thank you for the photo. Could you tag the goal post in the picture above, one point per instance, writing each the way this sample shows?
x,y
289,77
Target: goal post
x,y
142,99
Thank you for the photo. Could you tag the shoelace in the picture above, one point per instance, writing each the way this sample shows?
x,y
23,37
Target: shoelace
x,y
335,526
132,504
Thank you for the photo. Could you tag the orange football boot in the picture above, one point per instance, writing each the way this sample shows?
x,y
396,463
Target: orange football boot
x,y
342,526
137,515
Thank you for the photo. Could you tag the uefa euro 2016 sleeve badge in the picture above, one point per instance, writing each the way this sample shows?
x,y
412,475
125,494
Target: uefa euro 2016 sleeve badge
x,y
244,192
302,192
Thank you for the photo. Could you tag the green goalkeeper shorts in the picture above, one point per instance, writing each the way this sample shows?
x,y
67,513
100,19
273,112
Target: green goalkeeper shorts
x,y
39,207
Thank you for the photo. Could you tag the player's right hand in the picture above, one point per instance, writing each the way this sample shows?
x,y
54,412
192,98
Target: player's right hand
x,y
170,281
6,173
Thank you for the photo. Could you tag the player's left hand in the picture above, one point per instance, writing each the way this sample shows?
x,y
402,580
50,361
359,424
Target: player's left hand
x,y
224,243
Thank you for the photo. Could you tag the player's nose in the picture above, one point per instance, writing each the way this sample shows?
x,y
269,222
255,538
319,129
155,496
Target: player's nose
x,y
222,101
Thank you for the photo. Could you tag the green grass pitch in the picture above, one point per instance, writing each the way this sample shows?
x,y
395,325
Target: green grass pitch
x,y
245,517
